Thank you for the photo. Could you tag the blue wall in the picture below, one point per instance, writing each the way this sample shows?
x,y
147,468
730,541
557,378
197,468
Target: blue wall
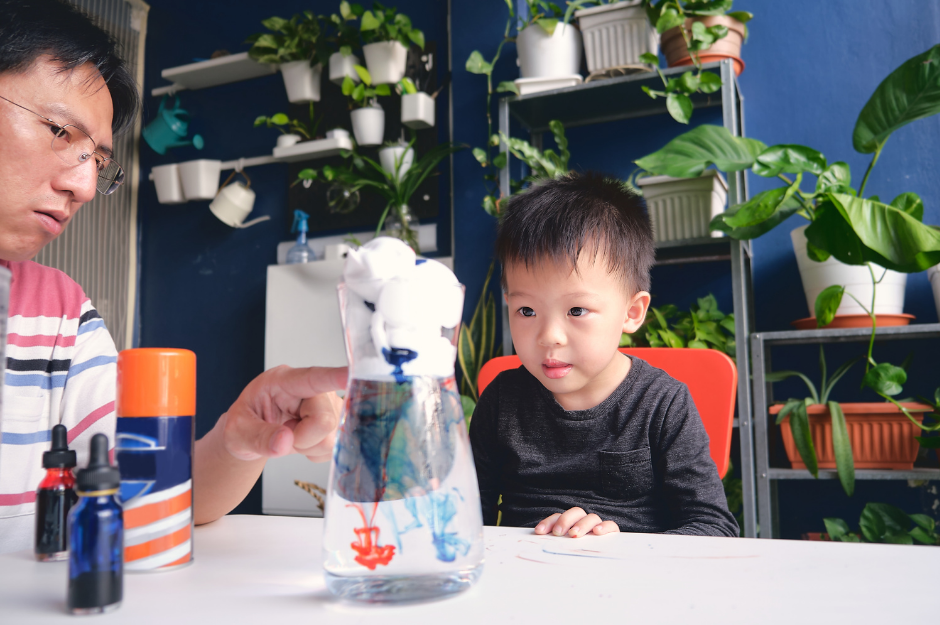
x,y
811,66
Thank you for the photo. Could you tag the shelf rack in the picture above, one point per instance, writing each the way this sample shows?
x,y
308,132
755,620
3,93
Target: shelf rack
x,y
766,476
623,98
211,73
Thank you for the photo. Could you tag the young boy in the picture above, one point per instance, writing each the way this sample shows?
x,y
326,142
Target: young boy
x,y
581,438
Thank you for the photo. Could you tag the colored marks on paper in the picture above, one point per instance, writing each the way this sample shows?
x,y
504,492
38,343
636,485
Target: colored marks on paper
x,y
370,553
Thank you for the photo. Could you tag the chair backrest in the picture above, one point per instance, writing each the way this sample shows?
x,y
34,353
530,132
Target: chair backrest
x,y
710,375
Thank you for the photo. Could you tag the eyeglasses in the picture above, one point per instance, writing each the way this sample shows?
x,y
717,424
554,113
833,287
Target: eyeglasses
x,y
74,146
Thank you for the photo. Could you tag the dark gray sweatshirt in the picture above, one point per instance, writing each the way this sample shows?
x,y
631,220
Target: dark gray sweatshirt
x,y
640,458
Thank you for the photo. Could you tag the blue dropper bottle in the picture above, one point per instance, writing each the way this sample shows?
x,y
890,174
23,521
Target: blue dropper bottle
x,y
300,252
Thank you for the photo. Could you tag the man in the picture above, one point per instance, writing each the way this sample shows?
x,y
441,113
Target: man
x,y
64,92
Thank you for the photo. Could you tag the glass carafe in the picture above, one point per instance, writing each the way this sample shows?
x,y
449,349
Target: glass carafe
x,y
402,519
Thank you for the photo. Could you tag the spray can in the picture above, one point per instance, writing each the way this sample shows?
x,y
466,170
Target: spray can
x,y
156,407
96,532
54,498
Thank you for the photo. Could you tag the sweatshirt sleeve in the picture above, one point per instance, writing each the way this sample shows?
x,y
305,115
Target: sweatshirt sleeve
x,y
484,441
694,496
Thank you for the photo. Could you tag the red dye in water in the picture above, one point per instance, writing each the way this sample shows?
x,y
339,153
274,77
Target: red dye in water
x,y
371,554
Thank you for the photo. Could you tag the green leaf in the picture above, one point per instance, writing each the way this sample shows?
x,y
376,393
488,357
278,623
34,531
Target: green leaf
x,y
931,442
383,90
827,302
688,83
895,519
690,153
346,11
275,23
499,161
648,57
671,338
359,92
924,521
836,528
925,538
782,213
816,254
709,82
507,86
547,24
789,159
742,16
842,446
280,119
307,174
885,378
468,405
369,22
408,86
911,204
417,37
261,120
476,64
762,206
799,425
872,525
670,18
909,93
348,86
489,205
707,7
836,179
364,74
480,155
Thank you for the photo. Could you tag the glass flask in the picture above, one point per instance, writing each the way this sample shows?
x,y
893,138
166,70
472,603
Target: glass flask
x,y
403,519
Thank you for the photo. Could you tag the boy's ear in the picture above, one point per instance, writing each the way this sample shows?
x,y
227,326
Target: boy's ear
x,y
636,312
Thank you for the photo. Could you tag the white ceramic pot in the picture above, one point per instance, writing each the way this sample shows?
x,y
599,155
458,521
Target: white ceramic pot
x,y
545,56
169,187
233,204
933,274
889,295
200,179
417,110
615,35
368,125
389,156
342,65
682,208
285,141
386,61
302,81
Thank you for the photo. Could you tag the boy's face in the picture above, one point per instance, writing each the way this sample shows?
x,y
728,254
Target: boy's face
x,y
566,327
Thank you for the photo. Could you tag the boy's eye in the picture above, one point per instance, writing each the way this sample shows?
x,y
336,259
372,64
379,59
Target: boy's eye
x,y
577,311
527,312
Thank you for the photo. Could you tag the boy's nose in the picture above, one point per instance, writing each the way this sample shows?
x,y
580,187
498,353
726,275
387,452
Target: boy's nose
x,y
551,333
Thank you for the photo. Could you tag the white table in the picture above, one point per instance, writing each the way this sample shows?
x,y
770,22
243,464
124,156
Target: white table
x,y
254,569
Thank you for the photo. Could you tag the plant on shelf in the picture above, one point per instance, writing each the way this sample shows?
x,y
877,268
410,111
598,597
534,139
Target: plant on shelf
x,y
344,37
387,24
544,14
667,15
364,94
289,126
884,523
843,223
703,326
297,39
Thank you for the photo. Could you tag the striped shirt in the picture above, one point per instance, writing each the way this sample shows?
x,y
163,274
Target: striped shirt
x,y
61,367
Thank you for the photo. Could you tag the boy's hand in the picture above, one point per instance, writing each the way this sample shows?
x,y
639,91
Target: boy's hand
x,y
575,522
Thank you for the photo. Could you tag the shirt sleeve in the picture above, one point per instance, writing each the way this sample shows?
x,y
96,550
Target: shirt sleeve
x,y
484,441
693,492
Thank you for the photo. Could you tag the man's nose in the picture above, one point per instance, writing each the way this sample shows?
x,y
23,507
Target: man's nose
x,y
81,179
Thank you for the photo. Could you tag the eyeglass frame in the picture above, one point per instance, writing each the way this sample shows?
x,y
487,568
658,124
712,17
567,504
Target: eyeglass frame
x,y
118,178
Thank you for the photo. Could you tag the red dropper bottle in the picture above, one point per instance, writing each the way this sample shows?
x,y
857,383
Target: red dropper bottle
x,y
54,499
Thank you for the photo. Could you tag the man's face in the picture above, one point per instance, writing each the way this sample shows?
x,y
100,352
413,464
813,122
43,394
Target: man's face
x,y
39,192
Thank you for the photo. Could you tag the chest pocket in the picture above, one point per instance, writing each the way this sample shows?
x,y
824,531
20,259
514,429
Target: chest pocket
x,y
626,475
21,405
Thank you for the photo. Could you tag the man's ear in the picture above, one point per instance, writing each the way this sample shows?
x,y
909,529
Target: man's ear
x,y
636,312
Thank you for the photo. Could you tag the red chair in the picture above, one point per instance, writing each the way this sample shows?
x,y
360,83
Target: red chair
x,y
710,375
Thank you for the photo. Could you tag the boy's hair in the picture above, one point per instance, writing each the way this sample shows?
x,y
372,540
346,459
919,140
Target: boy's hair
x,y
32,28
556,219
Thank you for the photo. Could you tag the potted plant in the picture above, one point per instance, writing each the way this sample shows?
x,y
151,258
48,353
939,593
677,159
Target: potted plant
x,y
368,118
297,45
682,208
843,223
616,35
292,131
703,326
344,39
417,107
884,523
387,35
396,158
549,47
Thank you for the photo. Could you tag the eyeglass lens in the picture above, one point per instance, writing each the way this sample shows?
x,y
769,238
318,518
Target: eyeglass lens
x,y
74,146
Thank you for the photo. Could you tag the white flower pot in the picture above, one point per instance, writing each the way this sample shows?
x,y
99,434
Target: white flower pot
x,y
682,208
169,187
417,110
200,179
889,295
302,81
285,141
391,155
933,274
368,125
385,61
341,66
615,35
544,56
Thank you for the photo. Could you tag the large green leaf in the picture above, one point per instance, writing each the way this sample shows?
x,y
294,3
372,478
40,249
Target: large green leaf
x,y
911,204
885,378
836,179
909,93
476,64
842,446
783,211
679,106
827,303
789,159
762,206
689,154
799,425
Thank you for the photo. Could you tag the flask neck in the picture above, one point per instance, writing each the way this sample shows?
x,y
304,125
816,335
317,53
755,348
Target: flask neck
x,y
58,478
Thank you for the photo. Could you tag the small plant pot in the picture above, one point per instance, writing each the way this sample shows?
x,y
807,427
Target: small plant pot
x,y
728,47
200,179
548,56
386,61
417,110
285,141
368,125
933,274
302,81
169,187
393,154
615,35
881,436
682,208
816,276
341,66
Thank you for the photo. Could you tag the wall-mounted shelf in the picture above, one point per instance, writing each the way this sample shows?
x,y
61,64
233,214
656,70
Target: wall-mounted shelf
x,y
214,72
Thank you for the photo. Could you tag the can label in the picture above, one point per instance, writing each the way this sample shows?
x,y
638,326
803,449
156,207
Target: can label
x,y
155,456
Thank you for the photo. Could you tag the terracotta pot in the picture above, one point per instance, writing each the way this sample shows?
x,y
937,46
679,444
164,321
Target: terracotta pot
x,y
676,52
881,437
816,536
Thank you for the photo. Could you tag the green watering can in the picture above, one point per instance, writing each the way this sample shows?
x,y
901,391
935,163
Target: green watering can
x,y
169,129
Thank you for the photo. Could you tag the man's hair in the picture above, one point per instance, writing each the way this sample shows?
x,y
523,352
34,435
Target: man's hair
x,y
556,220
32,28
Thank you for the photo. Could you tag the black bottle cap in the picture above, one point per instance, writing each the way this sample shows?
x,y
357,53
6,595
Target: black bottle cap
x,y
99,474
59,455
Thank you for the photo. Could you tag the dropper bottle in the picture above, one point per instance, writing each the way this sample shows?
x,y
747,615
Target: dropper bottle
x,y
300,252
54,498
96,536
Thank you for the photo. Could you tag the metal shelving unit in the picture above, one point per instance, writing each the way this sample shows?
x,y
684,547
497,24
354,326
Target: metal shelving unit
x,y
623,98
761,342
